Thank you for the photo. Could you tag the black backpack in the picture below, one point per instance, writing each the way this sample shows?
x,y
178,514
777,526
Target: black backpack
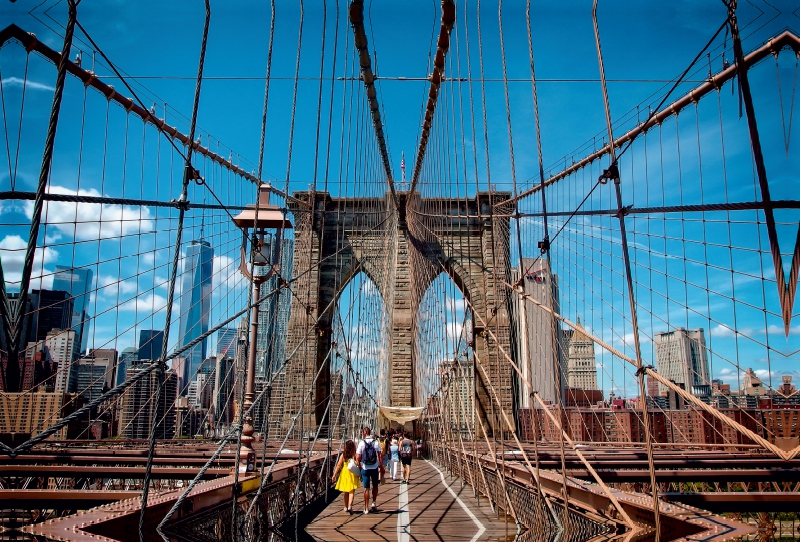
x,y
405,449
370,455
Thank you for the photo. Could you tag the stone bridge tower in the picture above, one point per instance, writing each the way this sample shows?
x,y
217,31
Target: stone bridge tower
x,y
402,248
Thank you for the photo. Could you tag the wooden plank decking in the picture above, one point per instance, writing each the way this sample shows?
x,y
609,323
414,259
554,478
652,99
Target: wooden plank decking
x,y
423,510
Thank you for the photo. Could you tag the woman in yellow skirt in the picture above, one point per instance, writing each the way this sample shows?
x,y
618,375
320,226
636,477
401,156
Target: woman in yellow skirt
x,y
347,482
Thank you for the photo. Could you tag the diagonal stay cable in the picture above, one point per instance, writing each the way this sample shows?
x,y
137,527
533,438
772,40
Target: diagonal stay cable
x,y
189,174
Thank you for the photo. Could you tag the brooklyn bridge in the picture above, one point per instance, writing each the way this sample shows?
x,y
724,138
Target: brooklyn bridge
x,y
573,299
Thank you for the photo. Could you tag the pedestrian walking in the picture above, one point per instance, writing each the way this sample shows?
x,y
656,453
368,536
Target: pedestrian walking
x,y
384,440
394,453
368,454
406,451
344,476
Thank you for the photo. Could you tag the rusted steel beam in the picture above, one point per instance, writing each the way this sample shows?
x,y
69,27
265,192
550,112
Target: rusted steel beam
x,y
59,499
738,501
691,475
772,47
72,471
88,78
362,46
436,78
77,459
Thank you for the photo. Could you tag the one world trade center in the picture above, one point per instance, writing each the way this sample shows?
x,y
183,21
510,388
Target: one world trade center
x,y
195,307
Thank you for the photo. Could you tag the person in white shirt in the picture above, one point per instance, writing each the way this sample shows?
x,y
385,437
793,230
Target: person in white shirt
x,y
368,455
394,454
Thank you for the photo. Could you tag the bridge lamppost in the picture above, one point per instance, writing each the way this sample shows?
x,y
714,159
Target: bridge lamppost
x,y
265,249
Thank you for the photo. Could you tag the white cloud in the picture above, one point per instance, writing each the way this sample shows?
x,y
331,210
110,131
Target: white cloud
x,y
163,283
458,305
12,258
772,329
726,372
87,221
721,330
33,85
454,330
368,288
226,274
147,304
112,286
763,374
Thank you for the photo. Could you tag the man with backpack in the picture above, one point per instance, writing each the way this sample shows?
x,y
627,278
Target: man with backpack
x,y
406,451
368,455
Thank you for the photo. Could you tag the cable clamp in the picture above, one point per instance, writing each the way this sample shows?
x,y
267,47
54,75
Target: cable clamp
x,y
624,211
181,204
610,174
643,369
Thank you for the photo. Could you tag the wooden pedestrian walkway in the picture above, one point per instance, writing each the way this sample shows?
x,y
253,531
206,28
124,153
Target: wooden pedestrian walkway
x,y
432,507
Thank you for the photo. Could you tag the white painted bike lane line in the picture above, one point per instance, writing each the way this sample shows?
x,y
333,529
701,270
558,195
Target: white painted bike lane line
x,y
481,528
403,518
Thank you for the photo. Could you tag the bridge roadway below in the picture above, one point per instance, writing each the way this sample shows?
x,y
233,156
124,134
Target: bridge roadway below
x,y
434,506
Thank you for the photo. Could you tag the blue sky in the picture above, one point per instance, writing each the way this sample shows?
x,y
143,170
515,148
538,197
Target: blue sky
x,y
644,44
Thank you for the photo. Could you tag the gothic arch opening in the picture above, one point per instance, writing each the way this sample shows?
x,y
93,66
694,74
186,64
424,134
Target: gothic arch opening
x,y
359,354
444,364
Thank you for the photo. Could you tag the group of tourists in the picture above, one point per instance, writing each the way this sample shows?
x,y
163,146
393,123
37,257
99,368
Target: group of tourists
x,y
369,461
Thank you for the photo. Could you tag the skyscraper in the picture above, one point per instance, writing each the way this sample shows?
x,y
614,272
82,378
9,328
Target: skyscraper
x,y
681,357
140,406
93,374
151,344
195,307
581,368
223,380
226,339
273,320
125,360
539,334
50,309
77,283
59,345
